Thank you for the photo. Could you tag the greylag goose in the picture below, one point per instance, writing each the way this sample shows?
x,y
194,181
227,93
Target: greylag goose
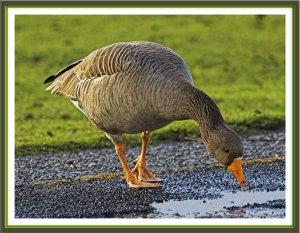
x,y
138,87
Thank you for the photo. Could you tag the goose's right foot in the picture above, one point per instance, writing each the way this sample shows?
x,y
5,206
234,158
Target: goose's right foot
x,y
143,174
134,183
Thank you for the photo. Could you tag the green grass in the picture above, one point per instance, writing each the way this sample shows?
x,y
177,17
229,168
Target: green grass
x,y
237,60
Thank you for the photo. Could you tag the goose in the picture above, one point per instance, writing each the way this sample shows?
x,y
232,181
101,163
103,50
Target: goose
x,y
138,87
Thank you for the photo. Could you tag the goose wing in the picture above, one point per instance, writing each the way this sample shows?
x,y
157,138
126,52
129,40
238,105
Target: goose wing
x,y
106,61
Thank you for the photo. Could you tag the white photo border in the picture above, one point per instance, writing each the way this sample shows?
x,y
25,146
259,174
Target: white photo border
x,y
12,12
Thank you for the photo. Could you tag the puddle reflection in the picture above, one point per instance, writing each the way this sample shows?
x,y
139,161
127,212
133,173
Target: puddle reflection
x,y
231,205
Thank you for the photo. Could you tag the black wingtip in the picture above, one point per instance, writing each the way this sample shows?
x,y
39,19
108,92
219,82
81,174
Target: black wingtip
x,y
50,79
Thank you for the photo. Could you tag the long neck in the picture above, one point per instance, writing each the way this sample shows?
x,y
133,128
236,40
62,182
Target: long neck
x,y
203,109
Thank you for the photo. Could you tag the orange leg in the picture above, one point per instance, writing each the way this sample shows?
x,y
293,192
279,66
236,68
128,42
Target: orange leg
x,y
130,178
140,170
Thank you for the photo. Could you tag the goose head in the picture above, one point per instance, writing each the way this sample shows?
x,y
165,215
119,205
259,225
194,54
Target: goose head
x,y
226,147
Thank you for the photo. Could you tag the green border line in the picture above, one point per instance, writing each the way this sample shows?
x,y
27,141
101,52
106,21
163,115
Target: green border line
x,y
2,119
161,4
155,5
156,226
118,226
149,6
6,114
293,117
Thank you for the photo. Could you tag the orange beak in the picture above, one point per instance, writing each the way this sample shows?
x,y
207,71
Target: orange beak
x,y
237,170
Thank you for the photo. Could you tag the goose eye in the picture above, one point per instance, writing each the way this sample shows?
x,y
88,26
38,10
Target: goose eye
x,y
226,150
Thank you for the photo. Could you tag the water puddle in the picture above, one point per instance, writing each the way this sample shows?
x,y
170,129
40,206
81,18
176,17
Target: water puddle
x,y
231,205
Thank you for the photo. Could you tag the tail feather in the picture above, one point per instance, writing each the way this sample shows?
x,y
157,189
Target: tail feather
x,y
64,82
53,77
64,85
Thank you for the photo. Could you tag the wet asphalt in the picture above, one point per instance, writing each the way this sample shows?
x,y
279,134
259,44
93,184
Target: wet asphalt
x,y
187,170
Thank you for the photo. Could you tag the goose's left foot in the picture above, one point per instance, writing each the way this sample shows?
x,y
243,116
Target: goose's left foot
x,y
140,170
141,173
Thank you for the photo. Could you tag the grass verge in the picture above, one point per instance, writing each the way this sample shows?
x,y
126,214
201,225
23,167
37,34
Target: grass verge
x,y
237,60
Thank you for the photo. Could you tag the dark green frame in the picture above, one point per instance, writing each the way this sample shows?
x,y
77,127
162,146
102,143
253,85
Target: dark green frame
x,y
203,4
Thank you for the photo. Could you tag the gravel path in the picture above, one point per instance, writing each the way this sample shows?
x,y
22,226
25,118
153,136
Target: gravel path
x,y
183,166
